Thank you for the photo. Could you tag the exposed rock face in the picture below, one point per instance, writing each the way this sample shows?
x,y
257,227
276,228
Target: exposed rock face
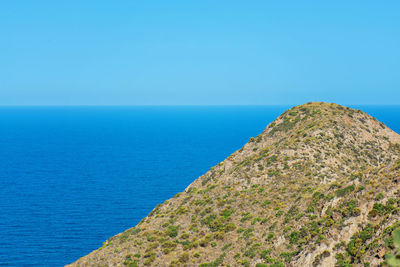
x,y
318,187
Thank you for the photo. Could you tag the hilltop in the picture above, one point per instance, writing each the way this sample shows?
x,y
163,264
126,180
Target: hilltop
x,y
318,187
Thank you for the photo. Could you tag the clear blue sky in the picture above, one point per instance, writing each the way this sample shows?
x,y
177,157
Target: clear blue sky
x,y
204,52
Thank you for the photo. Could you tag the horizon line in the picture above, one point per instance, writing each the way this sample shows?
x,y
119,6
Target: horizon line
x,y
183,105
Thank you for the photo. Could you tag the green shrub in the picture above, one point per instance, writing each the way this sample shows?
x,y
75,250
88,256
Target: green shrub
x,y
172,231
285,126
248,232
378,209
215,263
288,255
342,261
367,233
270,236
184,258
226,212
229,227
149,257
379,196
294,237
350,209
355,248
277,263
185,236
226,246
344,191
394,260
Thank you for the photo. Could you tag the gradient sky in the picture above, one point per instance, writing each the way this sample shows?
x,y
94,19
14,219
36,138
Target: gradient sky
x,y
204,52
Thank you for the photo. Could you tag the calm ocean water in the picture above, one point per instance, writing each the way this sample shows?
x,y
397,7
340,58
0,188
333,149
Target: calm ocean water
x,y
71,177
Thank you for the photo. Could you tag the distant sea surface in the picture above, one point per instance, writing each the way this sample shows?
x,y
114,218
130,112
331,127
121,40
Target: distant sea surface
x,y
71,177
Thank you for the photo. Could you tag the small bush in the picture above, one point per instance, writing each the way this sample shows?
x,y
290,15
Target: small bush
x,y
344,191
184,258
172,231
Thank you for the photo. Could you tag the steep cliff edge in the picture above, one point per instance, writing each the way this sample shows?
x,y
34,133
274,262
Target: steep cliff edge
x,y
320,186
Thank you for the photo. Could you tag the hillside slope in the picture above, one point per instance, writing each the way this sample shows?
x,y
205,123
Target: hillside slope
x,y
318,187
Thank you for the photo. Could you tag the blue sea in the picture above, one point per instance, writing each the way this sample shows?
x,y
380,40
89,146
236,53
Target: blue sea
x,y
71,177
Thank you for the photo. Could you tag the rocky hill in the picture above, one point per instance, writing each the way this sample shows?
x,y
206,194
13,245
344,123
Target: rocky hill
x,y
318,187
